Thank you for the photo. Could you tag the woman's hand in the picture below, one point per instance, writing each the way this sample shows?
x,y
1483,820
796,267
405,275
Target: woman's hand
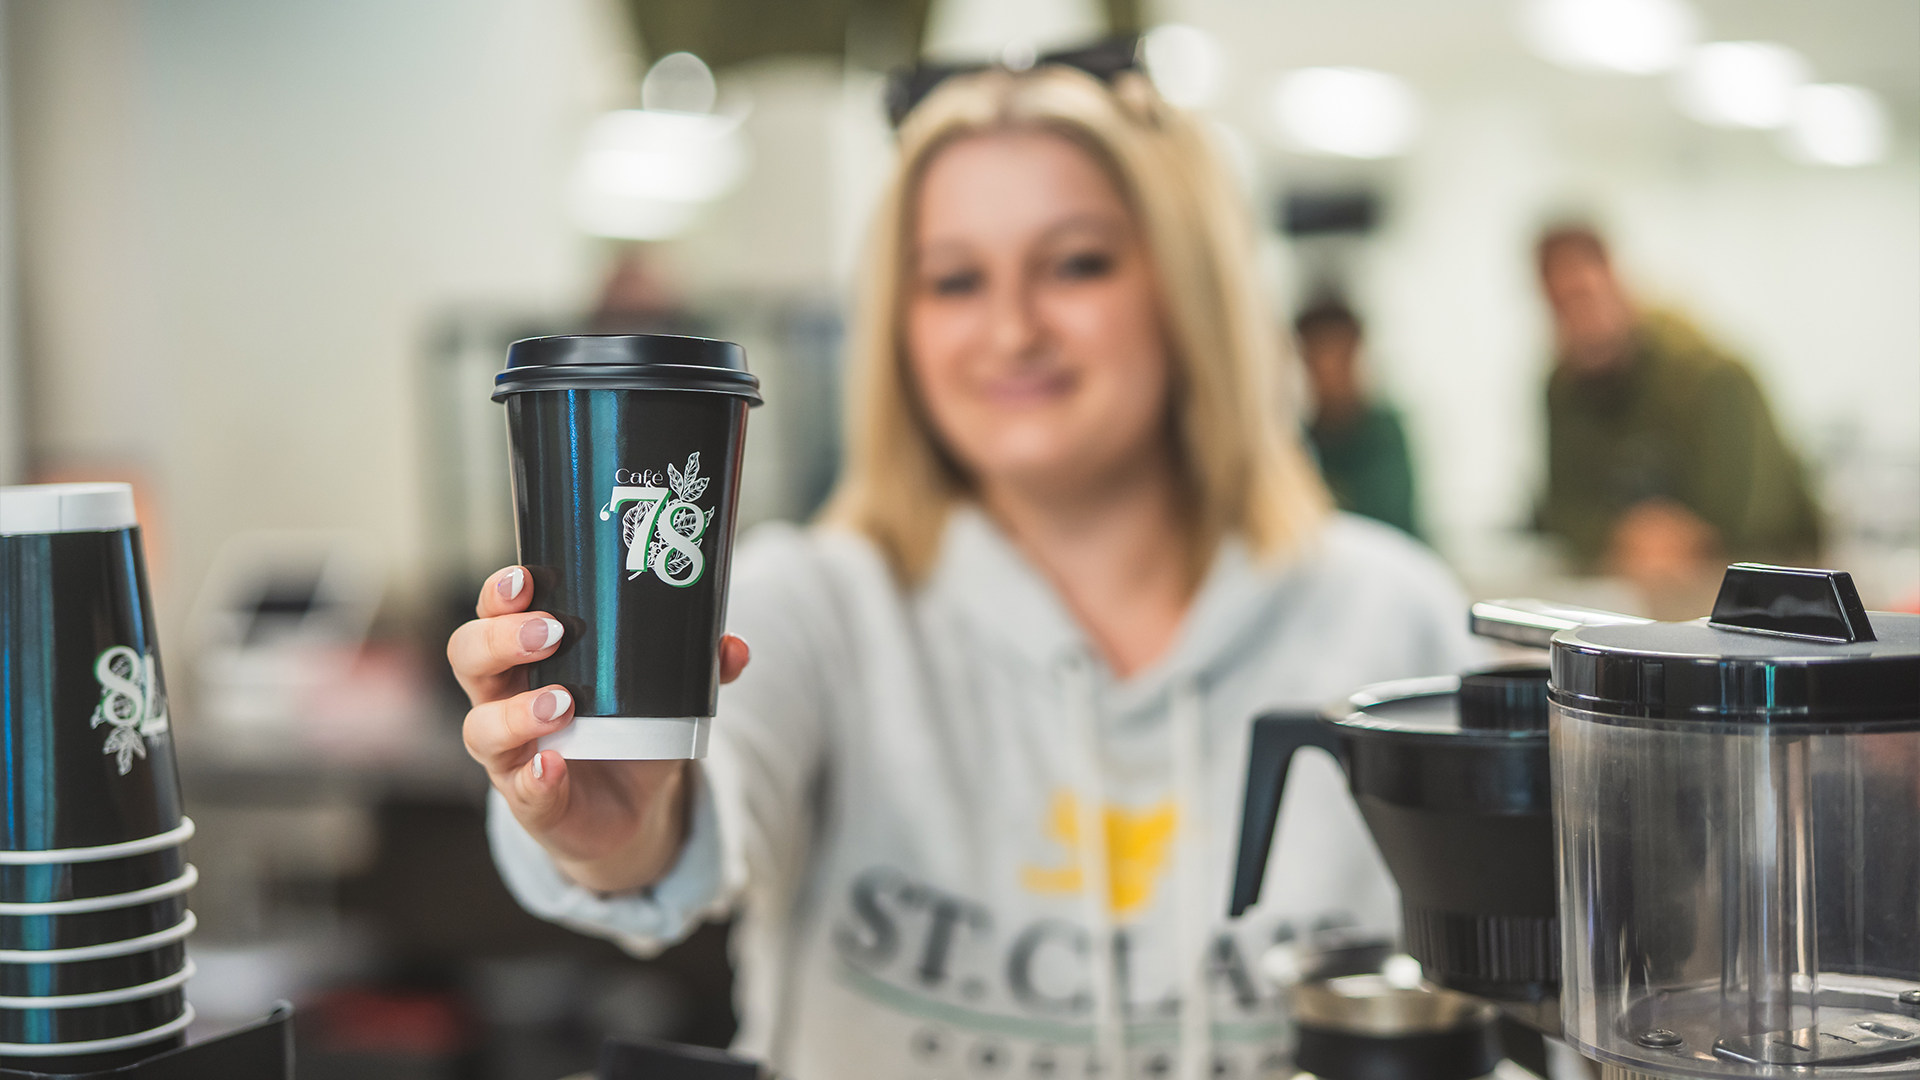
x,y
612,826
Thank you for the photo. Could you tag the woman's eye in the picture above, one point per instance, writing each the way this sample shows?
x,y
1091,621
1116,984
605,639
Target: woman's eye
x,y
1086,264
958,283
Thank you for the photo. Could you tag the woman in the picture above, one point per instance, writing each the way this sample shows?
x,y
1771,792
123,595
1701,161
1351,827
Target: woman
x,y
977,794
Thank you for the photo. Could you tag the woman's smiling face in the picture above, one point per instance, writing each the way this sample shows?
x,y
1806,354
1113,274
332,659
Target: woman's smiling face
x,y
1033,318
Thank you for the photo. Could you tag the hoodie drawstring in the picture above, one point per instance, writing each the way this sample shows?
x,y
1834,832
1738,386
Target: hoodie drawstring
x,y
1109,1032
1192,919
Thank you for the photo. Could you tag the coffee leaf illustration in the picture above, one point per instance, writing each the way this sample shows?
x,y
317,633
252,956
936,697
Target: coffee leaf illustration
x,y
630,522
125,744
690,485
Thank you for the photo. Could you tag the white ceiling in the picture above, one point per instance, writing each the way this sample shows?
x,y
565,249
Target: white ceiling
x,y
1464,47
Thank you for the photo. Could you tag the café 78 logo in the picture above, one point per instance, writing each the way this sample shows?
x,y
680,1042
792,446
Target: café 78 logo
x,y
661,526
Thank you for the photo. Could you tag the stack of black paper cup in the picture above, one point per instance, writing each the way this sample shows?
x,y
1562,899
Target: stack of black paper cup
x,y
93,879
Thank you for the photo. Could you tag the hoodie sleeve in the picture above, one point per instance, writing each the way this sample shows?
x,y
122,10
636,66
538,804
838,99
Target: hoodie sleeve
x,y
752,816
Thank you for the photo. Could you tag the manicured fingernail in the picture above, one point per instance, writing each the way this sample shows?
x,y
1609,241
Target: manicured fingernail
x,y
537,634
510,583
551,704
538,770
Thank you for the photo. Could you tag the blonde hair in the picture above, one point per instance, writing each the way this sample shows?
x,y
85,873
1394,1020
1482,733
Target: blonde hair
x,y
1240,463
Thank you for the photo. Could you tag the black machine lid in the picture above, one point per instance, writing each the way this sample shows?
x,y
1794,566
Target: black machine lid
x,y
1496,704
626,362
1783,646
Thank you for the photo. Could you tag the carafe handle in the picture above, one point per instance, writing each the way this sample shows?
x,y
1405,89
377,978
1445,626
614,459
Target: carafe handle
x,y
1269,757
1533,623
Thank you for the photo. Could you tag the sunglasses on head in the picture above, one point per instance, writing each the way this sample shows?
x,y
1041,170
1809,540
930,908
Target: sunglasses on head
x,y
908,87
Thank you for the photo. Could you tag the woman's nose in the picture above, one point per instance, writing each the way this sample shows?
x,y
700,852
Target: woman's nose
x,y
1015,326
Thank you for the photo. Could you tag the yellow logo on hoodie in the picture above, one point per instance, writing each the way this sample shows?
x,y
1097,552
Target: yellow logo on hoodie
x,y
1138,842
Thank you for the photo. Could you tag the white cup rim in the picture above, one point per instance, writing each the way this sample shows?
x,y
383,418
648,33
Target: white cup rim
x,y
80,905
179,834
105,997
97,1046
103,950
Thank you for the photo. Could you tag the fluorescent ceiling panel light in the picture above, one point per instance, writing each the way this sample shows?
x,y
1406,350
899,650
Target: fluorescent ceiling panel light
x,y
1633,37
644,174
1832,124
1741,84
1346,112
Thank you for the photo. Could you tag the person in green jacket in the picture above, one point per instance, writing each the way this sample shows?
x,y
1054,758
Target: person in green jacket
x,y
1663,459
1362,449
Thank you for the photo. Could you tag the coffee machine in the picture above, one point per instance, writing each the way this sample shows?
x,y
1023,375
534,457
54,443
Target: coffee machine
x,y
1725,813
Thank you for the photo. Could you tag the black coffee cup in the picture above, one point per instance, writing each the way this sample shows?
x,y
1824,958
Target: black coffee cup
x,y
68,924
91,1056
86,1066
91,969
625,456
86,754
262,1050
86,1023
35,883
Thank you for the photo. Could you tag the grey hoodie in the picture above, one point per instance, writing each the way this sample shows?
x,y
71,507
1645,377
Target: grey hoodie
x,y
904,791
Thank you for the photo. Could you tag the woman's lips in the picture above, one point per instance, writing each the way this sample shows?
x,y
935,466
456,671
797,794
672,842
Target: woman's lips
x,y
1029,389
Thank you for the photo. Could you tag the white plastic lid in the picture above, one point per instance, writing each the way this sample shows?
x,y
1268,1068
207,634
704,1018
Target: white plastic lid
x,y
51,508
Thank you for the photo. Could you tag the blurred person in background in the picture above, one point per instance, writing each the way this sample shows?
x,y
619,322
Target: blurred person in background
x,y
637,297
1359,440
1664,462
977,795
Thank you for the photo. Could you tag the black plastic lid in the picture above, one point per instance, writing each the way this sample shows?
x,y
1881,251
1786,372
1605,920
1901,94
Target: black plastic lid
x,y
626,362
1504,699
1783,646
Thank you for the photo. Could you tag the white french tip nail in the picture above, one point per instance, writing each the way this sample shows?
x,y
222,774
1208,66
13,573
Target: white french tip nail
x,y
538,769
516,580
553,632
562,701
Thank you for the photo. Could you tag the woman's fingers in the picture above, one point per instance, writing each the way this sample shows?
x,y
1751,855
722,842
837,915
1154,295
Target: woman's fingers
x,y
501,735
483,650
734,655
504,736
537,791
506,592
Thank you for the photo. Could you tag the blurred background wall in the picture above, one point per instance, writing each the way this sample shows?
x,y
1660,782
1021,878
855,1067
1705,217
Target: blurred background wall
x,y
262,259
12,437
239,223
239,220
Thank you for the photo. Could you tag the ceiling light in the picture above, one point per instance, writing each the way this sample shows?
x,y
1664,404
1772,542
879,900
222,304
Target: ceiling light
x,y
1186,63
1019,55
644,174
1636,37
1831,124
678,82
1349,112
1741,84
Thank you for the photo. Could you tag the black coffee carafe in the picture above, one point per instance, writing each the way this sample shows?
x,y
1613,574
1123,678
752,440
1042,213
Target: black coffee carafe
x,y
1451,775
